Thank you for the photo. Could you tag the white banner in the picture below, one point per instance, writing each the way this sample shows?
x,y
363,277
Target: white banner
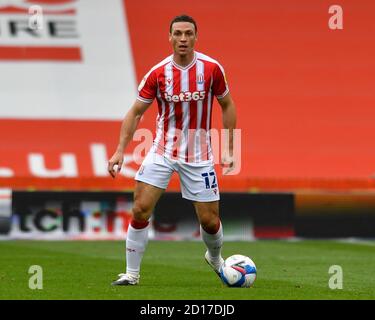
x,y
78,65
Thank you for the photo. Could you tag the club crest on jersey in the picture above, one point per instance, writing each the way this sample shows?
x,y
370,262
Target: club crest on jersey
x,y
200,78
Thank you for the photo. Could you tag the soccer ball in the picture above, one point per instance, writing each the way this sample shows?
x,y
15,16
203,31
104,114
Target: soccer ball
x,y
238,271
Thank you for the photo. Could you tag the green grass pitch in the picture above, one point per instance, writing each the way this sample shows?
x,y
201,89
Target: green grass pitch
x,y
177,270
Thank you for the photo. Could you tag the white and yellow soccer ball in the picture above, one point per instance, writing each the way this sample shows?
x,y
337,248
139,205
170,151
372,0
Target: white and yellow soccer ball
x,y
238,271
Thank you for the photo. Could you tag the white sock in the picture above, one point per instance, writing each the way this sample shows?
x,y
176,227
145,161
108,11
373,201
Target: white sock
x,y
213,242
136,242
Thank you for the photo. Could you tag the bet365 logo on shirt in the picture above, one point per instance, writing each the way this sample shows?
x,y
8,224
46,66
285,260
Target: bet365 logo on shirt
x,y
185,96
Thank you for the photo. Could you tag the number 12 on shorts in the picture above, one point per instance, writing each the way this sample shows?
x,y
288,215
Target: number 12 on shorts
x,y
210,179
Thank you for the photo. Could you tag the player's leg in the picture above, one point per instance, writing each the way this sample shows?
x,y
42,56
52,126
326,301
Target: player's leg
x,y
211,231
145,199
199,184
151,180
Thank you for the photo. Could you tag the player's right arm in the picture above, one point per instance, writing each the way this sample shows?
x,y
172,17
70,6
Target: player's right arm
x,y
128,127
146,93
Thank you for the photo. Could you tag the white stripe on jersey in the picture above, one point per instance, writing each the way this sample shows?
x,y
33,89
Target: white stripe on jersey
x,y
168,73
143,99
200,87
185,114
160,129
159,120
209,105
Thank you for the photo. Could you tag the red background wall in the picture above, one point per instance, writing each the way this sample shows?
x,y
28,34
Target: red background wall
x,y
304,93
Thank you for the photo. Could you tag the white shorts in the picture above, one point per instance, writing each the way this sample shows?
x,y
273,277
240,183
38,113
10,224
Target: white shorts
x,y
198,181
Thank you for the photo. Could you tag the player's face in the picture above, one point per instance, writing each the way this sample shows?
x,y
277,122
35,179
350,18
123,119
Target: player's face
x,y
183,38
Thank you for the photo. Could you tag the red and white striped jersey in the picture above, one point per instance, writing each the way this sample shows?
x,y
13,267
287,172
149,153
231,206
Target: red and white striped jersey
x,y
185,97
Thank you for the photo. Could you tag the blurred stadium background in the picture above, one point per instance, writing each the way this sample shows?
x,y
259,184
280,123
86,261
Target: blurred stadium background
x,y
305,100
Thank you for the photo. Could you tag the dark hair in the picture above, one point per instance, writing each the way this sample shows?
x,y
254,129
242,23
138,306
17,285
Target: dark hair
x,y
183,18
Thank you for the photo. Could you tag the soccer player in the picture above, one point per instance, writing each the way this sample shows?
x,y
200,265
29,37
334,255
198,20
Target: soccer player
x,y
184,84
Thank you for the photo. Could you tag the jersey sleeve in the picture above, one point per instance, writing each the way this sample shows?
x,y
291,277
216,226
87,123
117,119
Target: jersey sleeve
x,y
219,84
147,89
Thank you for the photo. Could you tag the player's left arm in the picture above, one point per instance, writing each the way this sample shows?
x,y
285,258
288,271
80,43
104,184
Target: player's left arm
x,y
229,117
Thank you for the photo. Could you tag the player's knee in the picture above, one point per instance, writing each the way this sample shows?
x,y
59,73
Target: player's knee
x,y
141,212
210,222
